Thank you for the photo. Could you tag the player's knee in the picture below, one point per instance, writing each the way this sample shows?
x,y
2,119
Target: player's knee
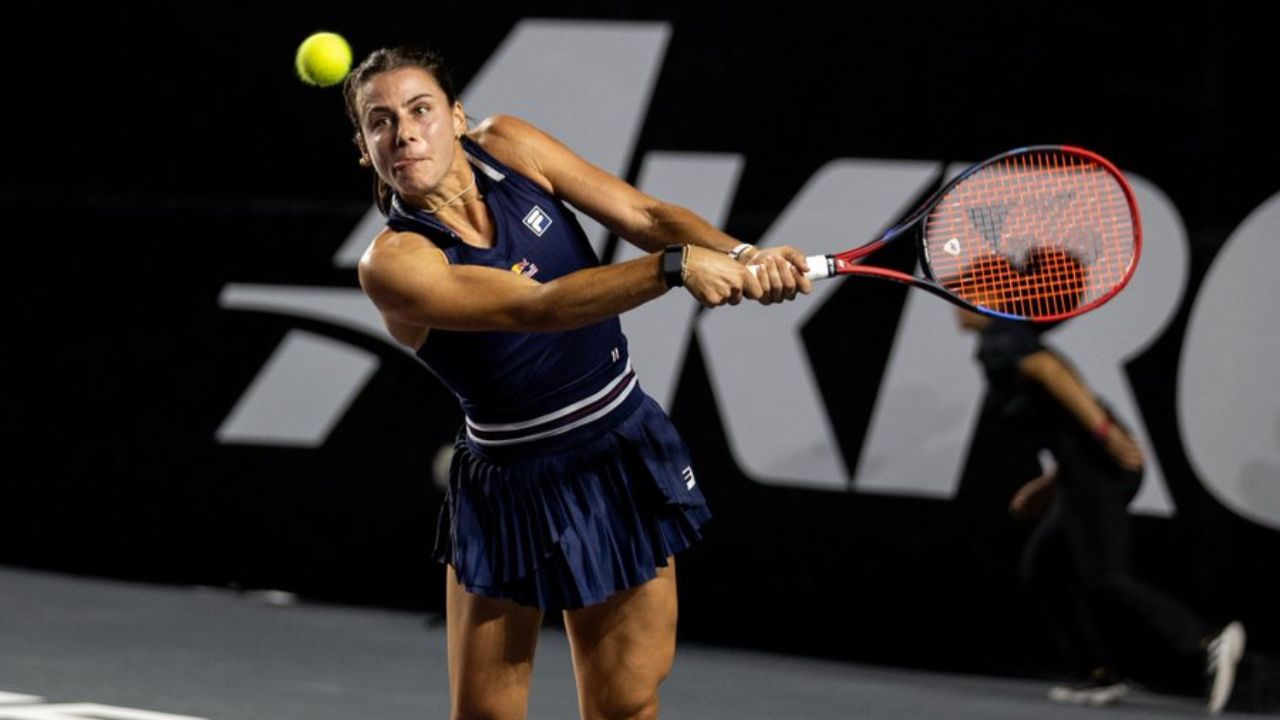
x,y
630,696
1110,586
629,703
490,707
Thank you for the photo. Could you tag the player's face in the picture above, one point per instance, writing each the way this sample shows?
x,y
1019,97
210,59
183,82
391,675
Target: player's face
x,y
410,130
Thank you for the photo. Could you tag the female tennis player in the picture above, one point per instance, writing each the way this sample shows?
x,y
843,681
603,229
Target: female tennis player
x,y
569,489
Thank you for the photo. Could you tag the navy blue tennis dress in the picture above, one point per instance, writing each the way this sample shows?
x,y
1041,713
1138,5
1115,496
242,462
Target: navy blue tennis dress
x,y
568,483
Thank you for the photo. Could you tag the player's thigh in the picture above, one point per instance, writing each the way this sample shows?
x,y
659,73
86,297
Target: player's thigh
x,y
491,647
624,647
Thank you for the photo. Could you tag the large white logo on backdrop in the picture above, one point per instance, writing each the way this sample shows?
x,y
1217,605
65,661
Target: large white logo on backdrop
x,y
779,432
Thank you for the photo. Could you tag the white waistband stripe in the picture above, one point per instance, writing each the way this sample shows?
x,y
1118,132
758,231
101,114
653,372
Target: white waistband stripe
x,y
556,415
584,420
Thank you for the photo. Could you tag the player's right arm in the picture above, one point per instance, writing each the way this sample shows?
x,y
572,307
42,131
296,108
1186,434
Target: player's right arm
x,y
411,281
1070,391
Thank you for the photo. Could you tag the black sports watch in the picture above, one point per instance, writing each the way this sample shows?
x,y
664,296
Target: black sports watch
x,y
673,265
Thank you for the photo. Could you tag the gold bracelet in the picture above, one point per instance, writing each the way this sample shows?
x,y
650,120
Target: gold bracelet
x,y
684,265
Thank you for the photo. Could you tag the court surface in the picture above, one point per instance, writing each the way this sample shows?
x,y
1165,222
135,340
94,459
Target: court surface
x,y
111,650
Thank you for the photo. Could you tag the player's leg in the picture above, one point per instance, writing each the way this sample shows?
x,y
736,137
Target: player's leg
x,y
491,646
1048,568
623,648
1098,528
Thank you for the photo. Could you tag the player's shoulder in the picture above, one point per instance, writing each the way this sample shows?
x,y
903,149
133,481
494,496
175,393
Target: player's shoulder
x,y
499,129
1011,334
1004,343
391,248
516,143
507,138
390,241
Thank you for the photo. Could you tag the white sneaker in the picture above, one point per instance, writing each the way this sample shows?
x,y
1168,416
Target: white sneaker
x,y
1090,692
1224,652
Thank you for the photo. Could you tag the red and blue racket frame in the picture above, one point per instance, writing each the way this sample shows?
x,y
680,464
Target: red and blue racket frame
x,y
1039,233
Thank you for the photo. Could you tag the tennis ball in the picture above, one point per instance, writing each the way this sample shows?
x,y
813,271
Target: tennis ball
x,y
323,59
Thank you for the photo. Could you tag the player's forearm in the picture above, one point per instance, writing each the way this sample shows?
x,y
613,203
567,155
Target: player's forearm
x,y
1074,396
1044,480
594,294
673,225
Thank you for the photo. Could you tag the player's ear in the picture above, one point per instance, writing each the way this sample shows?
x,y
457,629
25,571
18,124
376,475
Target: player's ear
x,y
365,160
459,119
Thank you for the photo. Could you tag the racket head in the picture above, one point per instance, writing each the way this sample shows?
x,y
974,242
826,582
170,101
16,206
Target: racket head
x,y
1039,233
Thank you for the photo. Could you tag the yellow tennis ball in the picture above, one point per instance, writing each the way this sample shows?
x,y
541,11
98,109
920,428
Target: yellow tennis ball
x,y
323,59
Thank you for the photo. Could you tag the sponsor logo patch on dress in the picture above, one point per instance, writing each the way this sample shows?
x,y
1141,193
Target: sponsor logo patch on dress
x,y
537,221
525,268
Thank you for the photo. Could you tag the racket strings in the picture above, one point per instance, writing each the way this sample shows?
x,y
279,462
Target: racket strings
x,y
1053,287
1035,234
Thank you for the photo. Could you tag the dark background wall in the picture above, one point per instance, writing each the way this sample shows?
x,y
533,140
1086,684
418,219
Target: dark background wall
x,y
156,154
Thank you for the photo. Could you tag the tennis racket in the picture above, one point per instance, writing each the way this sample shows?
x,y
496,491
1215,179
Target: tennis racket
x,y
1039,233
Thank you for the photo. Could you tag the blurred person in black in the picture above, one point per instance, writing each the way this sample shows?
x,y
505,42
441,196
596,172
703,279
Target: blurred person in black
x,y
1078,556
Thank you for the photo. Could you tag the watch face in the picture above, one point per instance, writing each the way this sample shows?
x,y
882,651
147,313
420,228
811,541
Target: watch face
x,y
673,265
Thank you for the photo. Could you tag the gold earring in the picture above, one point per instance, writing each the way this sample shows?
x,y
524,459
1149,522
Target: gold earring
x,y
365,161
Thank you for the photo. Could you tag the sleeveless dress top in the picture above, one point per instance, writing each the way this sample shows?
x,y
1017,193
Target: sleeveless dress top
x,y
568,483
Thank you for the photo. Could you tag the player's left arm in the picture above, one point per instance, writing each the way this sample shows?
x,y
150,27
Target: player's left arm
x,y
1064,386
645,221
1030,501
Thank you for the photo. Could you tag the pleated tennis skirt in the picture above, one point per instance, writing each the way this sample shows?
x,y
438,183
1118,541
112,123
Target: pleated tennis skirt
x,y
566,529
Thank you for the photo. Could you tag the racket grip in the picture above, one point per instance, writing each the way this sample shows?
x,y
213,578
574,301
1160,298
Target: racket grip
x,y
820,267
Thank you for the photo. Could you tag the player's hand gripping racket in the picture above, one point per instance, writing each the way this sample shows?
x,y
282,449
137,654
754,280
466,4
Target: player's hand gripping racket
x,y
1039,233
